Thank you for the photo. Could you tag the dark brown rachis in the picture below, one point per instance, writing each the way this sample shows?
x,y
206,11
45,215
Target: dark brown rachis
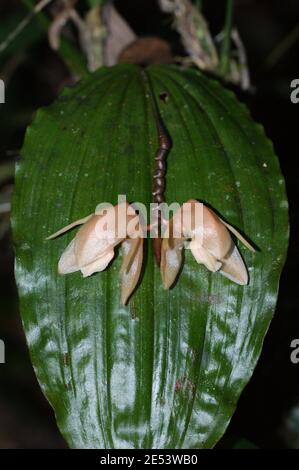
x,y
159,181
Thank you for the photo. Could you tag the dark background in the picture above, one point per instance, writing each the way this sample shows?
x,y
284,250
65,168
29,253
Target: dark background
x,y
268,411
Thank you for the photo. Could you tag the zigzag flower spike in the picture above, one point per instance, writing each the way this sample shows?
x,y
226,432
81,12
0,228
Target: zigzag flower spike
x,y
210,242
93,247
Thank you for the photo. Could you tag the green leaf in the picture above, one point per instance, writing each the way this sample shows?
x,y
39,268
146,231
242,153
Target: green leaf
x,y
167,370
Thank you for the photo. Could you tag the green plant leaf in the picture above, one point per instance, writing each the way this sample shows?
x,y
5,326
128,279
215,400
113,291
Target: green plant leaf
x,y
167,370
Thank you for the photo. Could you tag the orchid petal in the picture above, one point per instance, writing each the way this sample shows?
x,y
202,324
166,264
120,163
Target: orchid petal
x,y
69,227
131,269
98,265
171,260
234,268
91,243
239,236
202,256
68,262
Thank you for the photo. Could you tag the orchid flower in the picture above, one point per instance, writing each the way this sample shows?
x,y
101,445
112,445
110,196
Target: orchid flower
x,y
93,247
210,242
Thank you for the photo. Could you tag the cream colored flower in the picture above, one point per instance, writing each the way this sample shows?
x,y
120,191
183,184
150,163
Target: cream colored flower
x,y
210,242
93,247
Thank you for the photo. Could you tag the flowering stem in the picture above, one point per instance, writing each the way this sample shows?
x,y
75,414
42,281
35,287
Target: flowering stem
x,y
160,168
159,180
278,52
226,45
159,175
22,25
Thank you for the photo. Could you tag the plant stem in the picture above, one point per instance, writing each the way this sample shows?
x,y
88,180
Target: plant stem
x,y
283,47
226,44
198,4
22,25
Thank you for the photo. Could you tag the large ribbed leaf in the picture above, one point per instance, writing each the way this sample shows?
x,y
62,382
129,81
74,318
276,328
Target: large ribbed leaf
x,y
167,370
